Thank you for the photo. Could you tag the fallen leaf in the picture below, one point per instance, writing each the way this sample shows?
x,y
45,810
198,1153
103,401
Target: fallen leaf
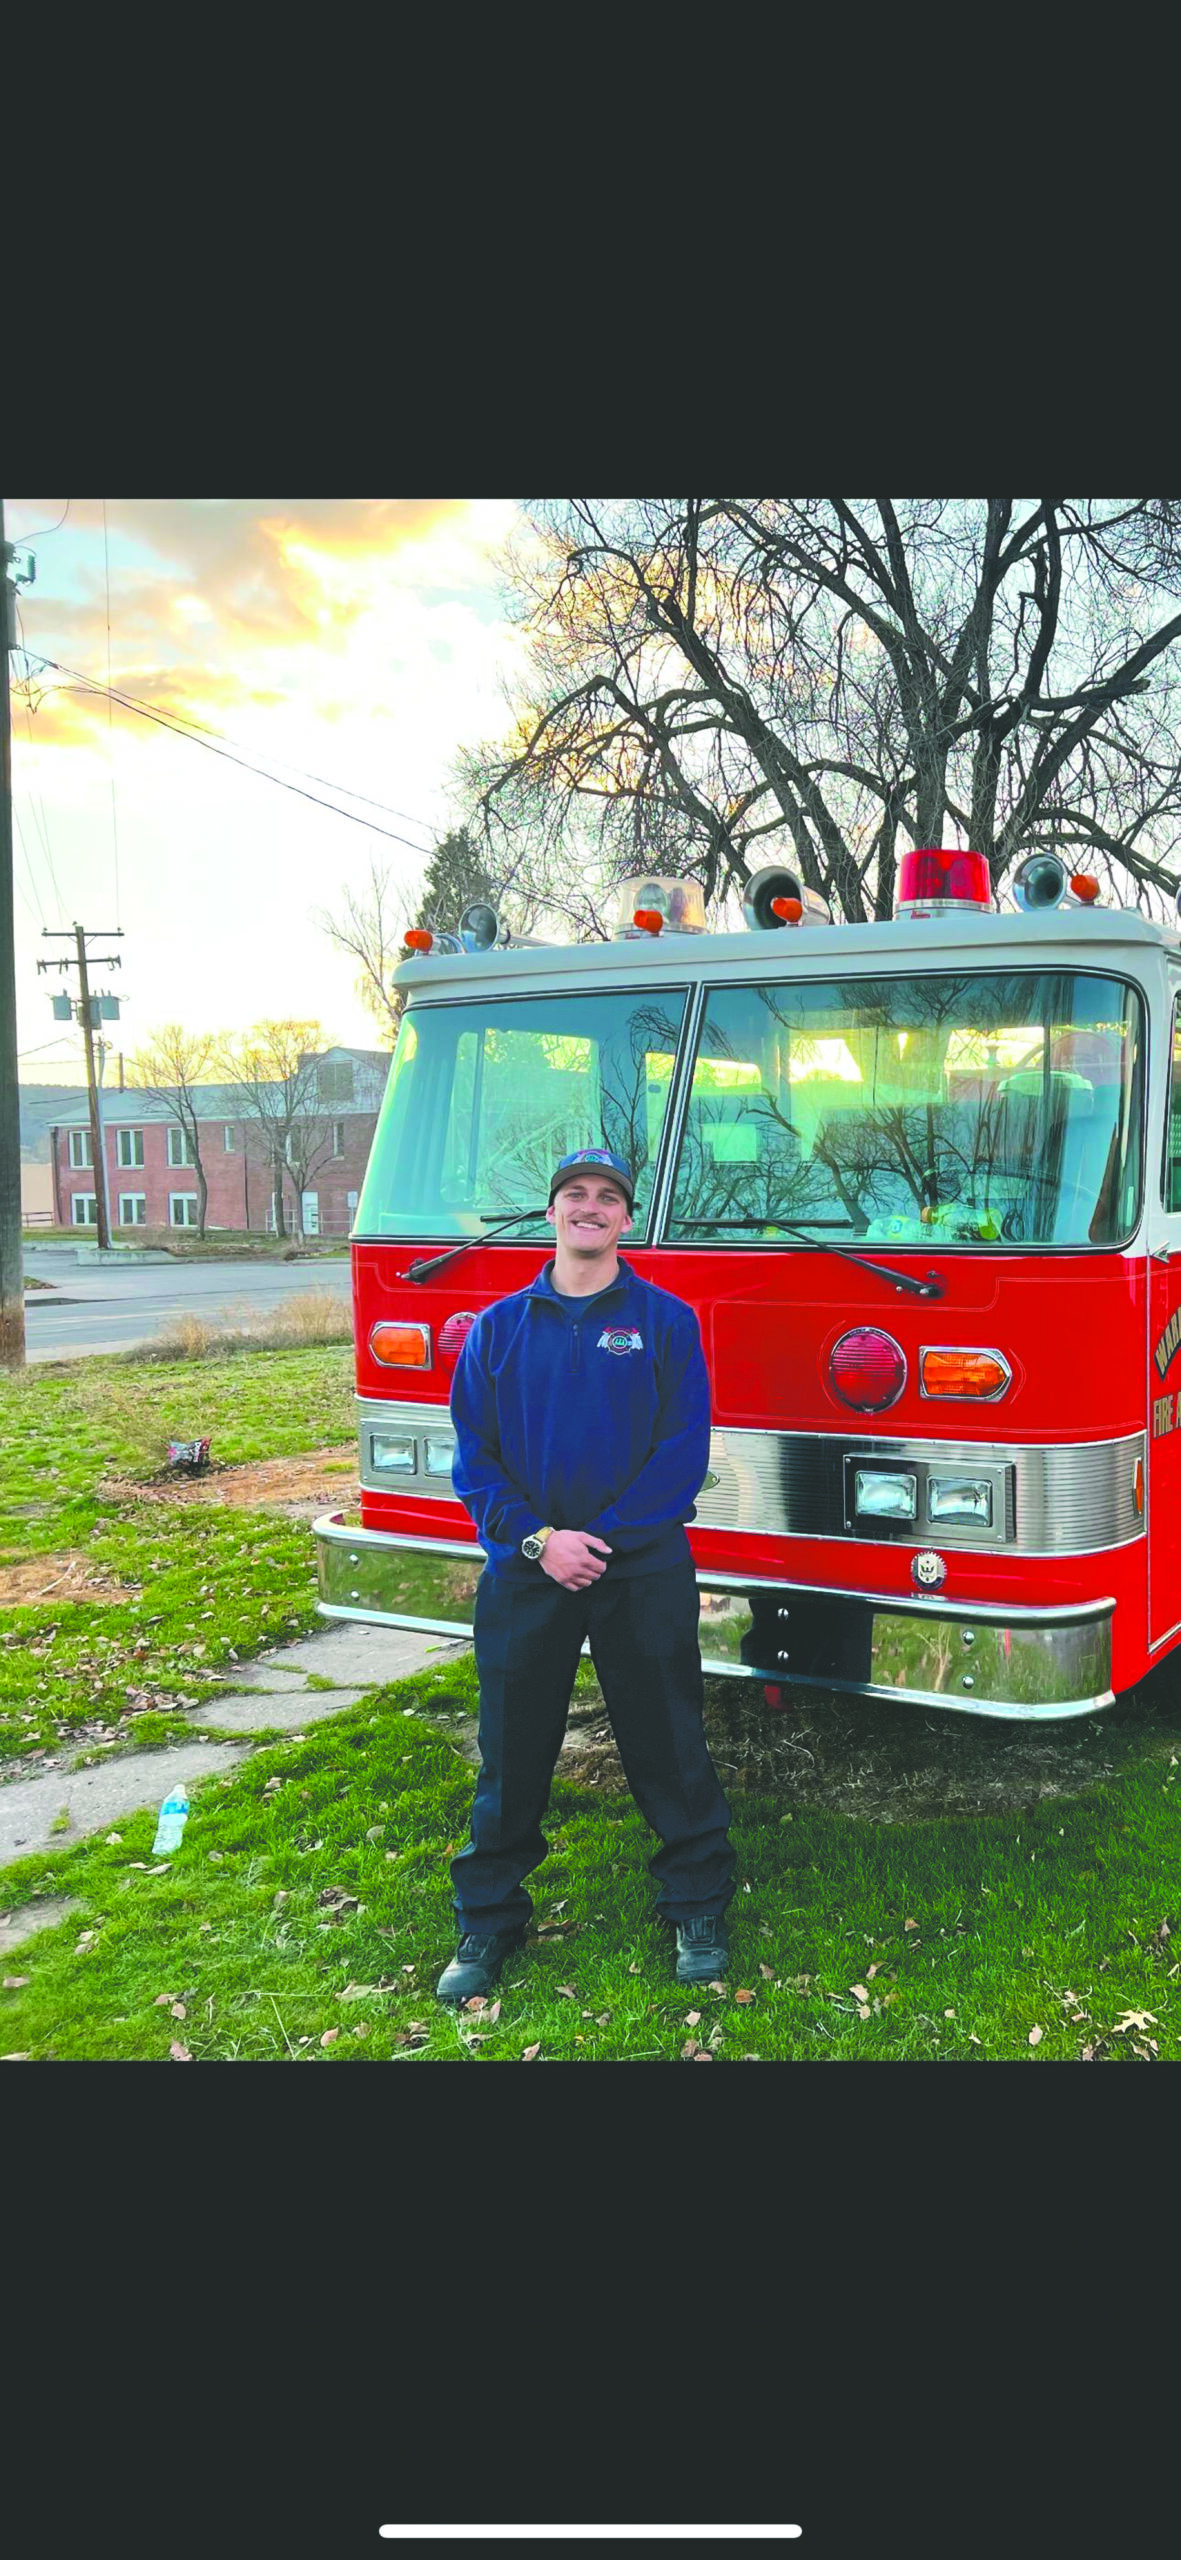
x,y
360,2031
694,2018
717,1986
633,1968
949,2013
1035,2035
530,2053
863,2010
477,2001
744,1998
494,2013
359,1991
114,1839
859,1991
910,1924
1088,2054
179,2053
688,2050
16,1981
179,2010
376,1832
16,2057
566,1991
701,2055
1134,2018
768,1972
330,2035
973,2039
873,1968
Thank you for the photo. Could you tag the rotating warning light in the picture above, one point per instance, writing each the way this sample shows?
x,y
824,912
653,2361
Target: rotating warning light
x,y
934,880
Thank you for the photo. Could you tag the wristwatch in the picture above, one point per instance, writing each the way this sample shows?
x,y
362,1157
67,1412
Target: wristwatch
x,y
532,1546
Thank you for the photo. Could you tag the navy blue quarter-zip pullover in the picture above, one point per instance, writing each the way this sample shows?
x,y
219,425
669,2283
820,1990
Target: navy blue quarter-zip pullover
x,y
582,1413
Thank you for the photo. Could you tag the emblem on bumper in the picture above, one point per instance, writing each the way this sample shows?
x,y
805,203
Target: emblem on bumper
x,y
928,1570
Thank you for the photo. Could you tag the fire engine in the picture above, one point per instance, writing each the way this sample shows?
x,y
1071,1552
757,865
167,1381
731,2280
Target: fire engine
x,y
920,1180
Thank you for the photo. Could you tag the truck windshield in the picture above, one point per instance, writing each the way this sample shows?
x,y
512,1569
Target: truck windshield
x,y
998,1108
484,1098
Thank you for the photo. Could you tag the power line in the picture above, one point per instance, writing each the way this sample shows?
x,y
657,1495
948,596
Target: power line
x,y
28,865
86,684
110,718
42,530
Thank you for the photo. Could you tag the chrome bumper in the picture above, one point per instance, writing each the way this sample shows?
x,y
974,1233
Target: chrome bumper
x,y
1020,1664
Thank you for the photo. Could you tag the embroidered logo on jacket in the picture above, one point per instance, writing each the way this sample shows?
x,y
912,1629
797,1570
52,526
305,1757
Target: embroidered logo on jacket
x,y
620,1342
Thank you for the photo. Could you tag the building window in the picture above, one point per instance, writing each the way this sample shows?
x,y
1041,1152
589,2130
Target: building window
x,y
338,1137
133,1209
129,1146
182,1208
350,1198
334,1082
180,1147
80,1154
84,1209
229,1138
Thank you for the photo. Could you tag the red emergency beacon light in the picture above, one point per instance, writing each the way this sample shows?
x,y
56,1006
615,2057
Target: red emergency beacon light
x,y
933,880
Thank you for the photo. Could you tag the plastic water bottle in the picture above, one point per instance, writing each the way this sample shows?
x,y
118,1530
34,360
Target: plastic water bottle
x,y
174,1813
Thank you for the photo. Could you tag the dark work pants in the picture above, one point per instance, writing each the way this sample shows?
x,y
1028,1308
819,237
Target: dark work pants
x,y
644,1645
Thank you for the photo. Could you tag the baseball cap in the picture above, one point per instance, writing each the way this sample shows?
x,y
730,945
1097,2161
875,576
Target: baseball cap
x,y
587,1160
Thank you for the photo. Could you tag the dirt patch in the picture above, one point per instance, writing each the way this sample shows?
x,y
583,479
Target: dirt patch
x,y
882,1763
70,1576
300,1486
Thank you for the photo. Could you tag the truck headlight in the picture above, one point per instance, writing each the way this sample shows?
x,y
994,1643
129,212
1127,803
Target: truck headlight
x,y
963,1499
882,1496
393,1452
438,1455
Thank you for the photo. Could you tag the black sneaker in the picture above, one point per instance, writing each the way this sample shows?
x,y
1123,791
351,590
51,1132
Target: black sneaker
x,y
703,1949
476,1965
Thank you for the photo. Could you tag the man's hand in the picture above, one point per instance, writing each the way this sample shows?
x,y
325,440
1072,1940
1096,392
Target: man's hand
x,y
569,1558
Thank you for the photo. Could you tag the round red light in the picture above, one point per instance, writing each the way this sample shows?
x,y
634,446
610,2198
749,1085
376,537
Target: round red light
x,y
454,1334
942,875
867,1369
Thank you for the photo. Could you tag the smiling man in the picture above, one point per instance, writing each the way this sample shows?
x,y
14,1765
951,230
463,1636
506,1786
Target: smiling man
x,y
581,1412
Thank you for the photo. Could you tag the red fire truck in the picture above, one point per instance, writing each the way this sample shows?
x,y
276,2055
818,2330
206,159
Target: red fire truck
x,y
921,1181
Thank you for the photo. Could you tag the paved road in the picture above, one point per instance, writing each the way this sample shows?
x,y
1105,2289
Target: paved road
x,y
92,1309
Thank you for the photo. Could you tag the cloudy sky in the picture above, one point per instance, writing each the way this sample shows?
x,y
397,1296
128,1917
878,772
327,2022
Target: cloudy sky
x,y
357,640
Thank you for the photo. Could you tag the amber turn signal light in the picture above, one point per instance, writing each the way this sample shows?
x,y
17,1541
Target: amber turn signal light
x,y
963,1373
790,909
649,919
1084,887
418,940
402,1346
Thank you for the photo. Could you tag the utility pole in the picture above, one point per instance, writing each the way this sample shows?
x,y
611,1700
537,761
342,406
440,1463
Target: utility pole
x,y
106,959
12,1273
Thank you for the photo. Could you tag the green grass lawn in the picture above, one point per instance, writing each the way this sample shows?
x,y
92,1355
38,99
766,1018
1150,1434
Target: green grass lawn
x,y
195,1586
306,1913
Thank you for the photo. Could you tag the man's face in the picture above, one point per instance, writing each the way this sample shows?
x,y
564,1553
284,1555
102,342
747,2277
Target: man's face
x,y
589,1215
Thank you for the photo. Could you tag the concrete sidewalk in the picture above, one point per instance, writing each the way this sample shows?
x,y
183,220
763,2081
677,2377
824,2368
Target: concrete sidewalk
x,y
271,1695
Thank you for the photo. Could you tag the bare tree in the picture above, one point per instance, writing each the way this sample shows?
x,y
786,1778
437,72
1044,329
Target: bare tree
x,y
273,1072
726,682
172,1063
370,929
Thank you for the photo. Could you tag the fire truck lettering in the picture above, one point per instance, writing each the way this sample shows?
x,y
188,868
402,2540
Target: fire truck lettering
x,y
1163,1416
1169,1342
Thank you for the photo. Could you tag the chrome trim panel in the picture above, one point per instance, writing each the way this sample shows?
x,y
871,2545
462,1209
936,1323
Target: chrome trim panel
x,y
1017,1664
1067,1500
1063,1500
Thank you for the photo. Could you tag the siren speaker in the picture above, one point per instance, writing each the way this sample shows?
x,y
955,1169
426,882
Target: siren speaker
x,y
1040,881
479,926
775,882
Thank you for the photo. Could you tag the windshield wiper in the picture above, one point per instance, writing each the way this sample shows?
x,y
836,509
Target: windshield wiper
x,y
419,1270
932,1287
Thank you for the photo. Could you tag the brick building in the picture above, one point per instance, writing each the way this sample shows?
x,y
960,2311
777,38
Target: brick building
x,y
151,1177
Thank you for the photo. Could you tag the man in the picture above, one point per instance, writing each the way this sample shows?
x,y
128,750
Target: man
x,y
581,1412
